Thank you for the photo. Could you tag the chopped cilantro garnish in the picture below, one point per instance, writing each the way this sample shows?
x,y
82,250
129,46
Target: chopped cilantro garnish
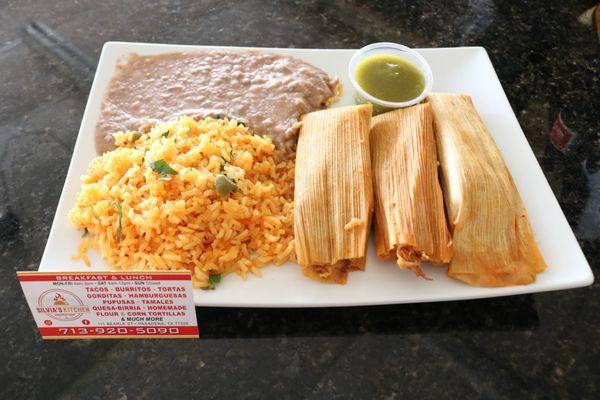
x,y
120,227
163,169
213,280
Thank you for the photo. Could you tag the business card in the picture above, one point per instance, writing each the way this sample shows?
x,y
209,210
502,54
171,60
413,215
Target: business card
x,y
110,305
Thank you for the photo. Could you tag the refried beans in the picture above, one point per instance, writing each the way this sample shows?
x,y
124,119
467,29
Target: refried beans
x,y
267,92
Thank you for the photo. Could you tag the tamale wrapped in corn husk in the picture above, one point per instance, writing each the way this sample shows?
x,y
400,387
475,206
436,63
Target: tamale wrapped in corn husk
x,y
333,197
492,240
410,223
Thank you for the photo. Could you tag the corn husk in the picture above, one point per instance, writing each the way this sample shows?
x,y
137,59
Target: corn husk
x,y
492,239
333,192
410,223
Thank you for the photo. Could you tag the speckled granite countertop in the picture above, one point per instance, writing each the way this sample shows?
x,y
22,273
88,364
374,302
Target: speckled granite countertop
x,y
535,346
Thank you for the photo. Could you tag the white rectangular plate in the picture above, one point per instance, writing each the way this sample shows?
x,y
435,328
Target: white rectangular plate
x,y
458,70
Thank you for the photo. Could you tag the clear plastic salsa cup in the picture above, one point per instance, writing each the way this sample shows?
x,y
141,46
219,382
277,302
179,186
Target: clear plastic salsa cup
x,y
379,106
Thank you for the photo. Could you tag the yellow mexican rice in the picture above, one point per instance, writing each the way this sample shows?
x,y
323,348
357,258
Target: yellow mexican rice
x,y
152,203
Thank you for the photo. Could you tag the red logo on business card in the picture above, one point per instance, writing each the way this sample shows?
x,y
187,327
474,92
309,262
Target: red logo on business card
x,y
61,305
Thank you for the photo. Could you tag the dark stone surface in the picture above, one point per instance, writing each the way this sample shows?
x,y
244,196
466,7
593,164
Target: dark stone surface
x,y
537,346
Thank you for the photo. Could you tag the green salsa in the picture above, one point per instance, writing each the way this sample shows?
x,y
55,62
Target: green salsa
x,y
390,78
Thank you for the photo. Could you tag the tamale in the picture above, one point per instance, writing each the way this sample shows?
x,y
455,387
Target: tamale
x,y
491,236
410,223
333,197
